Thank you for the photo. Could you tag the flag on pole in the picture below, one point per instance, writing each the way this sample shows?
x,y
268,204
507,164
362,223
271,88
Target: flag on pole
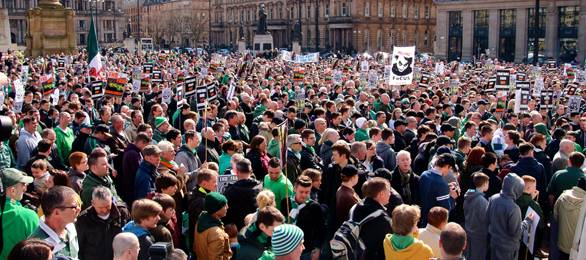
x,y
94,58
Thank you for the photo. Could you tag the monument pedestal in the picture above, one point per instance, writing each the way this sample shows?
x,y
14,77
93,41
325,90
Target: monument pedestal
x,y
296,48
130,44
263,42
241,46
50,30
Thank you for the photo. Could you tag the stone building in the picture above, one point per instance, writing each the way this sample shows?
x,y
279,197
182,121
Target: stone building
x,y
110,22
361,25
177,23
506,28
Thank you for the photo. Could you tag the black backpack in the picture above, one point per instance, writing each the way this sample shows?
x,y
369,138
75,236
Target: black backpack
x,y
347,244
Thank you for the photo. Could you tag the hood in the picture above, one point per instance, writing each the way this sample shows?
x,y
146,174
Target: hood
x,y
513,186
472,194
206,221
572,199
135,229
382,146
413,251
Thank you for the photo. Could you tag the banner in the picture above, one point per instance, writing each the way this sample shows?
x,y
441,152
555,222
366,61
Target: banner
x,y
157,76
167,94
116,83
147,68
546,99
282,130
424,81
402,65
201,93
574,103
189,86
522,96
48,84
503,80
311,57
97,89
136,79
286,55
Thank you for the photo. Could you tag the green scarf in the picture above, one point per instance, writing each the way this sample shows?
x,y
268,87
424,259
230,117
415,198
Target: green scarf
x,y
401,242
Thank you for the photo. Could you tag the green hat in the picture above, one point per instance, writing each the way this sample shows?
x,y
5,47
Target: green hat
x,y
11,177
286,238
214,201
160,120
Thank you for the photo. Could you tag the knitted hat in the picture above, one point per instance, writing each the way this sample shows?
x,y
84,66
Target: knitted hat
x,y
214,201
159,121
360,122
285,239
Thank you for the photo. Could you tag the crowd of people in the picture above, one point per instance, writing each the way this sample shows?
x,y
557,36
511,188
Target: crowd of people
x,y
288,160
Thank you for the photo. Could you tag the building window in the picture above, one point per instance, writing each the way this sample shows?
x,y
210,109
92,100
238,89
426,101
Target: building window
x,y
82,38
380,7
327,10
405,14
82,24
367,9
533,32
426,12
344,9
426,39
506,49
367,40
416,12
280,12
569,19
404,34
454,35
393,10
379,40
480,39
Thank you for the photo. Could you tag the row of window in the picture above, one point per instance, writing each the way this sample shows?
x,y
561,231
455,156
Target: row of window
x,y
399,39
107,25
393,12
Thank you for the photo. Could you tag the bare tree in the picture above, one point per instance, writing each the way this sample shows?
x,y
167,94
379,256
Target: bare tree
x,y
195,26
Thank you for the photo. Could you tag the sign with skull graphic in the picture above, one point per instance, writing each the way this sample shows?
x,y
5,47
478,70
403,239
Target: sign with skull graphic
x,y
402,65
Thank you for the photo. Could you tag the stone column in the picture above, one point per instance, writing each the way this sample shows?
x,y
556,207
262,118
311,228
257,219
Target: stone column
x,y
493,32
467,34
551,30
441,36
521,35
582,33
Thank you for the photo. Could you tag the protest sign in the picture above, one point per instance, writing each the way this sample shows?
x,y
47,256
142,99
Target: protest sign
x,y
402,65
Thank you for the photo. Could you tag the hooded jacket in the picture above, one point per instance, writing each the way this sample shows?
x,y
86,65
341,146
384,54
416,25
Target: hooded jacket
x,y
253,242
95,235
530,166
241,200
505,224
388,155
476,224
145,239
144,182
211,241
416,251
566,211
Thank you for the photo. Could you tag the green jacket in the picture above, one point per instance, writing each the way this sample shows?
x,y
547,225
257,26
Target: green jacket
x,y
563,180
253,242
6,157
525,202
90,182
282,188
273,148
18,223
62,247
158,135
361,135
63,142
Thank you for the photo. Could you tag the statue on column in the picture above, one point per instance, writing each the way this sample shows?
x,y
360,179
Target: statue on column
x,y
262,20
241,31
297,31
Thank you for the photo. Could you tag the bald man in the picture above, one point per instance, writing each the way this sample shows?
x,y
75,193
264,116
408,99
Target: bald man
x,y
125,246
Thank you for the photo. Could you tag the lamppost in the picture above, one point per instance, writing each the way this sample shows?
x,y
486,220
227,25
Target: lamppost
x,y
96,24
317,25
536,34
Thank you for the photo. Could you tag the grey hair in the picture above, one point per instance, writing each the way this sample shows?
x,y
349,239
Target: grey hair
x,y
102,193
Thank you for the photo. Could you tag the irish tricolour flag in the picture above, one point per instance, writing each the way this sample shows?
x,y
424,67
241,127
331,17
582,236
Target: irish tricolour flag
x,y
94,59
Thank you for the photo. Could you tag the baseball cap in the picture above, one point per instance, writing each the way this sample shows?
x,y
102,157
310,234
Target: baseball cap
x,y
101,128
11,177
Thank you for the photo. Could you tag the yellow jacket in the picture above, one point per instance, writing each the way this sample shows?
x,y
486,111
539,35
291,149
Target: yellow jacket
x,y
416,251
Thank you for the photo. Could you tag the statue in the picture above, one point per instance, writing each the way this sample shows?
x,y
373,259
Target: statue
x,y
262,20
241,31
297,31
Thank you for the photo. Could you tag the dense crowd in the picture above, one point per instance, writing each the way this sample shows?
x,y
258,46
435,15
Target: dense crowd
x,y
285,160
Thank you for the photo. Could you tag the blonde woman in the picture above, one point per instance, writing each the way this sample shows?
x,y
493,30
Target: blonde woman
x,y
264,198
329,137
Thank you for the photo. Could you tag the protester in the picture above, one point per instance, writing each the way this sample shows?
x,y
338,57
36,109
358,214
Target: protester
x,y
566,212
402,244
145,216
125,246
241,195
211,241
475,207
437,219
452,242
256,239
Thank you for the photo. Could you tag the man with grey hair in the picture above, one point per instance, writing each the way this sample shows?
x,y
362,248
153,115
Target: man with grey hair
x,y
205,150
125,246
404,181
560,160
144,183
294,146
97,225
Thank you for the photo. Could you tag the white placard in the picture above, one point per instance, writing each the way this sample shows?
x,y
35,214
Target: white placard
x,y
402,65
167,94
529,233
18,91
364,66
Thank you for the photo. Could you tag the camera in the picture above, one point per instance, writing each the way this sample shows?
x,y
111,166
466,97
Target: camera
x,y
160,250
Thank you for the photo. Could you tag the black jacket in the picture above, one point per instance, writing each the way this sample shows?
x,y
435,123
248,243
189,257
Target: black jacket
x,y
410,191
255,162
196,201
309,159
207,153
79,142
293,170
374,231
95,235
241,197
530,166
400,142
311,220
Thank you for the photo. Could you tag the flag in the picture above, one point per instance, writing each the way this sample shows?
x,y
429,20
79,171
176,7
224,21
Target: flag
x,y
283,131
94,58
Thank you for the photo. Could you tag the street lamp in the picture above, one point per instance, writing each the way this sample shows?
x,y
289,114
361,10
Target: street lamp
x,y
97,25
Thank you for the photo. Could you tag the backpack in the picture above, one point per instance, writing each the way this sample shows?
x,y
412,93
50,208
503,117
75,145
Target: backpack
x,y
346,243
